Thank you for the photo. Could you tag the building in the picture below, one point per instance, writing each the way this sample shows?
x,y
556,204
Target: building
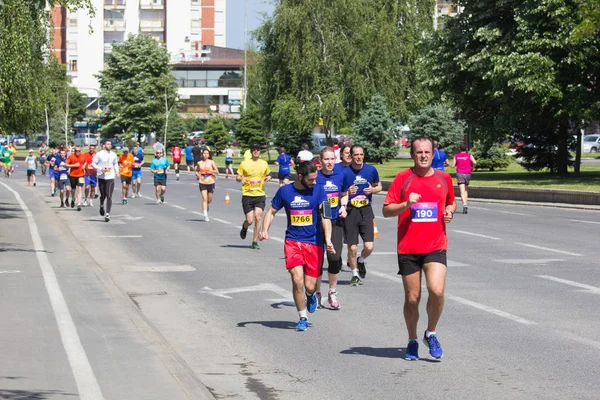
x,y
84,43
445,7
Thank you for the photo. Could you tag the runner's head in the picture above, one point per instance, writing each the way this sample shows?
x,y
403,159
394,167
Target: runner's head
x,y
54,150
30,152
107,145
358,154
462,147
77,150
317,162
345,154
255,150
282,150
421,151
92,148
306,174
63,152
136,148
327,159
125,151
206,155
159,154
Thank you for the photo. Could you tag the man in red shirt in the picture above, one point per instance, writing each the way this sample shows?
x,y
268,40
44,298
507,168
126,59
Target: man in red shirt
x,y
176,153
90,177
423,200
76,163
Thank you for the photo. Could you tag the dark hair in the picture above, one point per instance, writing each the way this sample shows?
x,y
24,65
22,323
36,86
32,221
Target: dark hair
x,y
335,141
419,139
305,168
209,153
356,146
462,147
106,140
344,146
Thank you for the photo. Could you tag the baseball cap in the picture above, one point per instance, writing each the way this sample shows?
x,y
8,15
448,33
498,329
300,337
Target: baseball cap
x,y
125,148
255,146
31,150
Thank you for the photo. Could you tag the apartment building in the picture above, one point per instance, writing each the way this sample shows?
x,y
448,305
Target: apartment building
x,y
445,7
84,43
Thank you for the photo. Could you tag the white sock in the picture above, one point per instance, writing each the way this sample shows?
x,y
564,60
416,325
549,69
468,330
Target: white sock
x,y
427,334
355,272
414,340
205,212
361,259
303,314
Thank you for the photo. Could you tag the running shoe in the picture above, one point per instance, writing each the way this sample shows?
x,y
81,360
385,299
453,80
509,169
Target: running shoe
x,y
157,201
62,205
302,325
355,281
91,203
102,210
107,218
243,232
85,202
412,350
333,300
52,194
78,207
123,202
319,297
311,303
255,246
162,199
72,203
177,178
465,208
435,349
362,269
33,184
206,219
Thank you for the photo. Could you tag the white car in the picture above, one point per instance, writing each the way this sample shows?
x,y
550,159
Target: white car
x,y
591,143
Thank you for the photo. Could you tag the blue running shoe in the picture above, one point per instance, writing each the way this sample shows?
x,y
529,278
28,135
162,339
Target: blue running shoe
x,y
435,349
311,303
412,350
302,325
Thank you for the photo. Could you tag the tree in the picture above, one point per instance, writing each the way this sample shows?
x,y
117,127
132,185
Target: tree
x,y
216,135
193,124
294,126
515,67
249,129
135,86
374,132
437,121
176,132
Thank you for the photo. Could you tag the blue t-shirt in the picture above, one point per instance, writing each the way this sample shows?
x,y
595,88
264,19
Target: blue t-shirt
x,y
361,178
439,158
332,184
138,159
188,153
284,161
303,215
159,166
62,170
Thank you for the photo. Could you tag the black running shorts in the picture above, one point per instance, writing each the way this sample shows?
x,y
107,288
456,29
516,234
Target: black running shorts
x,y
411,263
359,222
249,203
209,188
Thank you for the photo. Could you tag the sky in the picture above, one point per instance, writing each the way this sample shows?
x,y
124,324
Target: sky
x,y
235,19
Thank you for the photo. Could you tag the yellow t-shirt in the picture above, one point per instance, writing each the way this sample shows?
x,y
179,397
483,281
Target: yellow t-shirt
x,y
255,173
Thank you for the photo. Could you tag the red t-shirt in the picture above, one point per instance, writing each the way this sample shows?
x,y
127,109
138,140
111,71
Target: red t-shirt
x,y
89,170
76,172
421,228
176,154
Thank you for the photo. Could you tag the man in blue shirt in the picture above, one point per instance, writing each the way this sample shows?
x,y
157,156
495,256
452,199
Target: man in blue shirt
x,y
361,181
284,161
61,173
189,157
303,247
440,159
136,170
160,167
51,174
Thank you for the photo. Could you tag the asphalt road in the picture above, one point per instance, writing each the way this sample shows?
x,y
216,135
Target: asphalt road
x,y
520,322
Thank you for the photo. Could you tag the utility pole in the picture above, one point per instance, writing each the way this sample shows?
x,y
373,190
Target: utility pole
x,y
245,52
67,120
47,126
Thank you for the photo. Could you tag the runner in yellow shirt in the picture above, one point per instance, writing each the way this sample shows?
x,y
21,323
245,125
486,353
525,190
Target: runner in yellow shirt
x,y
125,166
253,174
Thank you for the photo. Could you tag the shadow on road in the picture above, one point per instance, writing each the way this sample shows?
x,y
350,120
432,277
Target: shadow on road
x,y
7,213
383,352
32,395
195,220
237,246
283,304
269,324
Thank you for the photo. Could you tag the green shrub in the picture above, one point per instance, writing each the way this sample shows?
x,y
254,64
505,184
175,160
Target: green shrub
x,y
492,158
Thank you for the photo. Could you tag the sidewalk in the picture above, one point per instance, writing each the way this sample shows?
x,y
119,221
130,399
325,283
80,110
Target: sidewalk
x,y
40,357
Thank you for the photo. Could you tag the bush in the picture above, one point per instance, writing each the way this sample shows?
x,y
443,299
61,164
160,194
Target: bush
x,y
492,158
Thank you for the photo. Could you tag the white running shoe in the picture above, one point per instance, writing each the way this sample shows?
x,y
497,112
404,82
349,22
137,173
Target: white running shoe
x,y
91,203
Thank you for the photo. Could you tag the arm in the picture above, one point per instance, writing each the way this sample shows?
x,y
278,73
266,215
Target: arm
x,y
215,169
373,189
266,224
473,162
116,166
395,209
446,163
453,162
326,224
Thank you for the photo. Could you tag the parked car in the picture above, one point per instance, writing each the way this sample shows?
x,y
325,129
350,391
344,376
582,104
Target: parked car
x,y
2,140
591,143
19,140
85,139
116,143
319,141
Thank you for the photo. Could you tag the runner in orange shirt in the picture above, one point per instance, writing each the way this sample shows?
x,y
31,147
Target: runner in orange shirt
x,y
76,163
126,165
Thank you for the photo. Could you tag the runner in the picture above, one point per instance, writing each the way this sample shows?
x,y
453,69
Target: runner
x,y
229,162
2,157
13,152
205,172
51,173
189,157
6,161
361,181
61,173
31,163
423,200
305,154
304,239
253,174
346,158
90,177
158,146
440,159
464,164
76,163
176,154
43,153
285,162
107,168
160,167
136,171
197,153
125,167
332,181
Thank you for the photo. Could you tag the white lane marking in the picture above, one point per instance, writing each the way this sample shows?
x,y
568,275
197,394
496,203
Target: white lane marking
x,y
159,268
476,234
584,222
233,190
385,276
263,287
525,261
122,236
223,221
178,207
10,272
86,382
491,310
579,339
571,283
500,211
548,249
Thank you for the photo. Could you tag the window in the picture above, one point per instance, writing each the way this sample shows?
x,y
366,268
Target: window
x,y
73,65
219,16
72,22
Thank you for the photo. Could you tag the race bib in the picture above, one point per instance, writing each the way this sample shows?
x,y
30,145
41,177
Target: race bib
x,y
63,177
206,177
424,212
359,201
333,199
255,185
82,180
301,217
90,167
137,165
107,170
159,171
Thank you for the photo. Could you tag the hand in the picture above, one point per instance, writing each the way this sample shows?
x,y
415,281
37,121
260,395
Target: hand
x,y
77,165
268,178
412,199
343,212
264,235
330,248
244,180
448,215
368,190
352,190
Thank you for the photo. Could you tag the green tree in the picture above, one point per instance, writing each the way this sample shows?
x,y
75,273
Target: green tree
x,y
176,131
374,132
216,135
193,124
437,121
57,114
138,87
515,66
249,129
491,157
294,125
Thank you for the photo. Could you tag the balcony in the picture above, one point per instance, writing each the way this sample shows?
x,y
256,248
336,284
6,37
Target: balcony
x,y
152,25
113,24
152,4
114,4
210,83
